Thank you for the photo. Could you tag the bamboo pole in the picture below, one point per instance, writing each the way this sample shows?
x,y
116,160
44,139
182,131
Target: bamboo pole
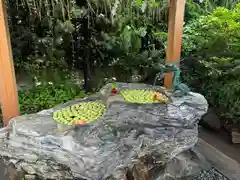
x,y
175,29
8,88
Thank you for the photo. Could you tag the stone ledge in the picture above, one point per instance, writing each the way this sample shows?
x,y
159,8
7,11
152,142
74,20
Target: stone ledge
x,y
224,164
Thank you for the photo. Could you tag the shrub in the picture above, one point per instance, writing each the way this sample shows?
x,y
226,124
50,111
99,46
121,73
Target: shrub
x,y
218,79
216,34
47,96
214,41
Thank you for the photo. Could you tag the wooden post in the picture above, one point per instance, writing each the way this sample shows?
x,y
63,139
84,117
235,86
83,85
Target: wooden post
x,y
8,88
175,29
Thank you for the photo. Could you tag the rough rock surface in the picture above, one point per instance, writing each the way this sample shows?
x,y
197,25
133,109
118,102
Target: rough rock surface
x,y
129,140
211,120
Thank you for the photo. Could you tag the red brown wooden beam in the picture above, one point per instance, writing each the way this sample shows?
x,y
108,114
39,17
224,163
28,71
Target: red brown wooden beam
x,y
8,88
175,29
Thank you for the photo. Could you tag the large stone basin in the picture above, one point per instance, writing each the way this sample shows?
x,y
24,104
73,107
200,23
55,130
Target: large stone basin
x,y
138,141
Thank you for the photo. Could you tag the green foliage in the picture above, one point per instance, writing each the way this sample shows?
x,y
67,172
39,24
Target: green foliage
x,y
216,34
135,39
210,5
47,96
214,40
193,10
40,31
87,34
57,9
218,79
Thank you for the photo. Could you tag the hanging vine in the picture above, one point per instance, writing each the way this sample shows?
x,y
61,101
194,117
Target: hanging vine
x,y
53,8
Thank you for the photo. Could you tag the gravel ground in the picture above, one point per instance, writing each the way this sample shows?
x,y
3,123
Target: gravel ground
x,y
211,174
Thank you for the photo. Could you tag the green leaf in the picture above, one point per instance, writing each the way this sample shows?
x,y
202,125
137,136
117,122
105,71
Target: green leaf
x,y
78,12
68,27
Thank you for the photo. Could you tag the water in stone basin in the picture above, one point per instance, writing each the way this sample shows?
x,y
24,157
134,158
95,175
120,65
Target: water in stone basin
x,y
129,137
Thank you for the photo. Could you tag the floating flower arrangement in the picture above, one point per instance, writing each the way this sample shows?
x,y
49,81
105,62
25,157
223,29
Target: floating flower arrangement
x,y
143,96
80,114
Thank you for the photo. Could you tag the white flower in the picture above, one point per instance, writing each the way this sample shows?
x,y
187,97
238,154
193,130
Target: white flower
x,y
38,83
101,15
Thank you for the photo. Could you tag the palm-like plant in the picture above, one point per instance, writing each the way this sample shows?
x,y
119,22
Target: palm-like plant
x,y
116,8
209,5
89,18
51,8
